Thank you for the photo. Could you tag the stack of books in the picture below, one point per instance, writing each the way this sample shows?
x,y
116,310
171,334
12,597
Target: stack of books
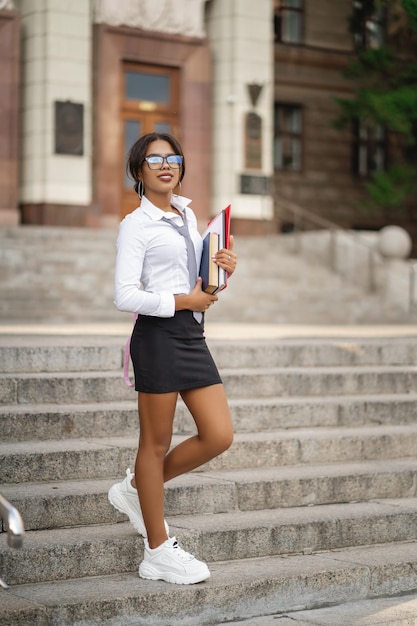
x,y
215,238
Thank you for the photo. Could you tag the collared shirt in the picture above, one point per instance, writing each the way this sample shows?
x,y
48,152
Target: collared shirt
x,y
151,260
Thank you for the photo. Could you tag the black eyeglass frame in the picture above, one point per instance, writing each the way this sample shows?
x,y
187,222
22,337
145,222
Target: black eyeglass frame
x,y
174,164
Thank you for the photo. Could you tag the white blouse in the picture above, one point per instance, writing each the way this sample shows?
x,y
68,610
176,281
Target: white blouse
x,y
151,260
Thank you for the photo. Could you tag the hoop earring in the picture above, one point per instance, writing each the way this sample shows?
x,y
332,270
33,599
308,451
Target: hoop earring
x,y
141,189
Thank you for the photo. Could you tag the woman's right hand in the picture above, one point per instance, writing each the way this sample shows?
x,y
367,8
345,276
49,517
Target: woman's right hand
x,y
196,300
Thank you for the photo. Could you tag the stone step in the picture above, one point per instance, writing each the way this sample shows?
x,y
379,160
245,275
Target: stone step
x,y
44,422
115,548
73,502
80,266
396,611
99,457
57,304
64,275
60,354
74,353
282,584
73,387
55,236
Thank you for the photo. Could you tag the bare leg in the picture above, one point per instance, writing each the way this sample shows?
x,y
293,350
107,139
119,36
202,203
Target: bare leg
x,y
156,415
209,408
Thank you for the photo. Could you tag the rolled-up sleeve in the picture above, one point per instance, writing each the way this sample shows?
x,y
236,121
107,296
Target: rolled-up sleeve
x,y
128,295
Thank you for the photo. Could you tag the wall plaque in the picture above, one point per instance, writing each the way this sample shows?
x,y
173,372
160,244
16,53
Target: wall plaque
x,y
253,141
69,128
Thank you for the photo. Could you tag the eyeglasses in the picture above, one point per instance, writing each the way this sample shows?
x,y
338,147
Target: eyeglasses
x,y
156,161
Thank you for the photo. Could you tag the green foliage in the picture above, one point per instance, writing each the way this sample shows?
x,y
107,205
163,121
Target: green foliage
x,y
385,93
395,110
410,7
392,188
371,64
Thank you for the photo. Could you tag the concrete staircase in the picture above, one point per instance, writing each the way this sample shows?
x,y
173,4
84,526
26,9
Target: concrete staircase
x,y
52,274
60,275
310,517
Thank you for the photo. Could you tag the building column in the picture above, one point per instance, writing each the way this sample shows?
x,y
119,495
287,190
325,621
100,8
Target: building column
x,y
9,99
56,178
241,36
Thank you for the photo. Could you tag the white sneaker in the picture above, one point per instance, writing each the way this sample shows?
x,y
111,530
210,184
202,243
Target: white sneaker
x,y
125,499
171,563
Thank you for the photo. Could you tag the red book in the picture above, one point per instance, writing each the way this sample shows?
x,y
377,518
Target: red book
x,y
215,280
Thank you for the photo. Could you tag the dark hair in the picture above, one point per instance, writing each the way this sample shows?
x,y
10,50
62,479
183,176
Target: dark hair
x,y
137,154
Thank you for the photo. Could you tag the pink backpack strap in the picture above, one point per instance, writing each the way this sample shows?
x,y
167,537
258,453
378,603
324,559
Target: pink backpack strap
x,y
126,358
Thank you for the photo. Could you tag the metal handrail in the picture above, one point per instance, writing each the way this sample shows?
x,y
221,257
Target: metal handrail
x,y
15,527
13,519
300,215
299,212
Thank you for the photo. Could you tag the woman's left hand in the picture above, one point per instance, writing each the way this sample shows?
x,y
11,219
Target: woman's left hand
x,y
226,258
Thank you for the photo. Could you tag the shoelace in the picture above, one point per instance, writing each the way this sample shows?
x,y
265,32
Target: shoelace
x,y
182,554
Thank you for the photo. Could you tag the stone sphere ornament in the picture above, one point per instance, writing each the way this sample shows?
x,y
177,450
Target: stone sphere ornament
x,y
394,242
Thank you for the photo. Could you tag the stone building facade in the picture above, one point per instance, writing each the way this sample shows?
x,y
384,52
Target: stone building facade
x,y
248,88
94,75
315,172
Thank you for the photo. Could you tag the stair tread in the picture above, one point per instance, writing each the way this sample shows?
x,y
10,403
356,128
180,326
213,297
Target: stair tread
x,y
317,470
235,520
258,519
287,583
33,408
85,407
247,475
37,421
276,435
306,370
395,611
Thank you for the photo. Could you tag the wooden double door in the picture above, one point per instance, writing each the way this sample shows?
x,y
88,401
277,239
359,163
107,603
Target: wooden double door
x,y
150,103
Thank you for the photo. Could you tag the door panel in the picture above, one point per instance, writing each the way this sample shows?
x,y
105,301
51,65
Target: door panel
x,y
132,130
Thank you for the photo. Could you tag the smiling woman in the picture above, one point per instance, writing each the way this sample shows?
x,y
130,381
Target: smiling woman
x,y
158,252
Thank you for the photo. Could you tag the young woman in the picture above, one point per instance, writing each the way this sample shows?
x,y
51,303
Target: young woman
x,y
168,351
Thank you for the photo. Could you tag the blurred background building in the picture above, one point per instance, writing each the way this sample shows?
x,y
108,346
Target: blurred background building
x,y
248,87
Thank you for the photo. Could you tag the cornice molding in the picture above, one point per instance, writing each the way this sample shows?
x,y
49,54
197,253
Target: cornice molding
x,y
181,17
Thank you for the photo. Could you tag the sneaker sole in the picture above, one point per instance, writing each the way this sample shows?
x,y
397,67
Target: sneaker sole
x,y
150,573
117,500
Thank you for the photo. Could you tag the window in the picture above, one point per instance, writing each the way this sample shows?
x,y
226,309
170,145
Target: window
x,y
145,86
288,127
288,20
368,28
369,148
132,130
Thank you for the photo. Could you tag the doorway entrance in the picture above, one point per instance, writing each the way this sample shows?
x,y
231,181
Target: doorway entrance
x,y
150,103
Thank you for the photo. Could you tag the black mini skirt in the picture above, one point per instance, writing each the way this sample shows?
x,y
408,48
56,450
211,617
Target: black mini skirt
x,y
171,354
